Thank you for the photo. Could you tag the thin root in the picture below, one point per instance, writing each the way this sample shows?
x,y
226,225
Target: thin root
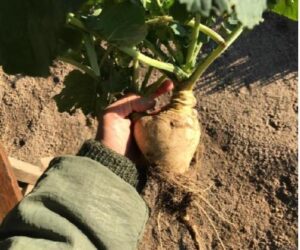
x,y
219,214
159,230
208,188
194,191
212,224
193,231
199,195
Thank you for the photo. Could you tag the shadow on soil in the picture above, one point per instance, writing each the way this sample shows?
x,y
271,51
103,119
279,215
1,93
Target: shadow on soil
x,y
252,58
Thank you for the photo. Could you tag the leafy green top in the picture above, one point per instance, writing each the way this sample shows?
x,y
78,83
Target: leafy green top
x,y
109,40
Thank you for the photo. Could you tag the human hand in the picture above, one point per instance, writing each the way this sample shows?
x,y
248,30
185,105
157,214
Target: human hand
x,y
115,126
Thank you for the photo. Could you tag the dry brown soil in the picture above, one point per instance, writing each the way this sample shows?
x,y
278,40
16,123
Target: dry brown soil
x,y
247,159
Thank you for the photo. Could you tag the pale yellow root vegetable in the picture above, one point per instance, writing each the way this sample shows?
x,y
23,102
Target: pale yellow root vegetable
x,y
170,138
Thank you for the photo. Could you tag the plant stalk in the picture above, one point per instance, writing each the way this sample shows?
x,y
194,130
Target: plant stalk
x,y
147,77
135,77
190,58
160,19
155,63
172,52
91,52
209,32
78,65
188,85
75,22
203,28
155,50
159,4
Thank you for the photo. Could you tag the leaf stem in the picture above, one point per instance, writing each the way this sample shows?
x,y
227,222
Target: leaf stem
x,y
209,32
91,52
172,52
191,57
135,76
155,63
75,22
155,51
78,65
179,53
203,28
160,19
159,4
175,51
147,77
188,85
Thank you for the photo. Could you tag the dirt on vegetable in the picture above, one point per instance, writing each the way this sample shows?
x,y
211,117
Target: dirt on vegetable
x,y
242,186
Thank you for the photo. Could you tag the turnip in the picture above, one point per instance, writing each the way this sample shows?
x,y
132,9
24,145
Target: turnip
x,y
169,139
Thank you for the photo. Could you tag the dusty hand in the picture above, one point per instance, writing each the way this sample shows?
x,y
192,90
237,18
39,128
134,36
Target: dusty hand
x,y
115,126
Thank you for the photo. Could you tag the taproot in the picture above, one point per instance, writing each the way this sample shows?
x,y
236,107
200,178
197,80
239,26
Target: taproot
x,y
170,138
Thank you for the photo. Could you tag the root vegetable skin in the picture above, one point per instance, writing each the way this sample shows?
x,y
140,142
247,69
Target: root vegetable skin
x,y
169,139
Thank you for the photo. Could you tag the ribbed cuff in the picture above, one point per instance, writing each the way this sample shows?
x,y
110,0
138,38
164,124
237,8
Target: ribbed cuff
x,y
118,164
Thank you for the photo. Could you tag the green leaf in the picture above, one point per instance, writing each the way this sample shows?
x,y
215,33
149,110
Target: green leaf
x,y
29,34
80,92
91,53
152,7
121,24
156,7
201,6
229,25
166,4
179,30
221,6
287,8
249,12
205,7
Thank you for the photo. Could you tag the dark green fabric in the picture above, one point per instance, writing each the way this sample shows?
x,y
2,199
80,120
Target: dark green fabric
x,y
77,204
117,163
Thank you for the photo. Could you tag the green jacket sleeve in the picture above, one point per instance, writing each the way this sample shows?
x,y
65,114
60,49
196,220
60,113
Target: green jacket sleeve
x,y
78,203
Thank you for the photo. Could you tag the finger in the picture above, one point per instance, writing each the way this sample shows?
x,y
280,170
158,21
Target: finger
x,y
131,103
134,103
166,86
158,110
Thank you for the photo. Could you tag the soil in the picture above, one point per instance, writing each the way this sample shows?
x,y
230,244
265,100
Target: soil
x,y
246,166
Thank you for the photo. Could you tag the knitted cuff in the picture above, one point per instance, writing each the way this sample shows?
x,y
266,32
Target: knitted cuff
x,y
118,164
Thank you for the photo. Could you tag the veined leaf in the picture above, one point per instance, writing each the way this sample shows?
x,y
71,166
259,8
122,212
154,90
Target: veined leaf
x,y
287,8
205,7
248,12
122,24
